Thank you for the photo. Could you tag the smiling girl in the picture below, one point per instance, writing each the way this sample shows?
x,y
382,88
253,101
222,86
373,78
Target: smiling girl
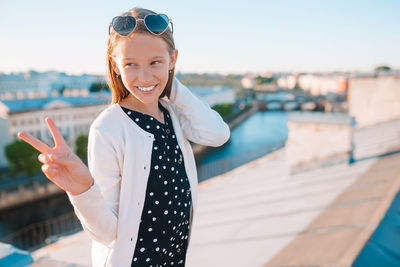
x,y
137,198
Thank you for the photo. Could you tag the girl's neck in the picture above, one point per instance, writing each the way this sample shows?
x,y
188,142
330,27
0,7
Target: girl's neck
x,y
151,109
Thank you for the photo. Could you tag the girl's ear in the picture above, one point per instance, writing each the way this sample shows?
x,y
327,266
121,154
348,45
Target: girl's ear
x,y
174,58
114,65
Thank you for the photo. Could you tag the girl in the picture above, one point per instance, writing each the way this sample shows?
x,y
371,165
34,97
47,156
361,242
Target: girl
x,y
137,199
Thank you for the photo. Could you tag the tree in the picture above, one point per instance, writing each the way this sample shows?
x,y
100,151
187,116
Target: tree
x,y
262,80
22,158
223,109
99,86
81,143
382,69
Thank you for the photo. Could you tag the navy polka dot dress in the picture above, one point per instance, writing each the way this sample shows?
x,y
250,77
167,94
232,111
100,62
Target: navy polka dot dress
x,y
165,222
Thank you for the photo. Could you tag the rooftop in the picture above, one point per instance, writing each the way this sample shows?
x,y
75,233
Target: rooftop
x,y
261,215
19,105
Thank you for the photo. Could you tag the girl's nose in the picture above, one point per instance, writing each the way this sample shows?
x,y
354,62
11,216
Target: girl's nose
x,y
145,76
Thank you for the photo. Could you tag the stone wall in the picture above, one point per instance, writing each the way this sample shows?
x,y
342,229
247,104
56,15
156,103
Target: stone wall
x,y
317,137
374,100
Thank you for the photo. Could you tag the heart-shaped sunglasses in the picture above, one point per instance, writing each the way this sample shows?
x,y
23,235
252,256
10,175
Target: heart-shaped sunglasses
x,y
155,23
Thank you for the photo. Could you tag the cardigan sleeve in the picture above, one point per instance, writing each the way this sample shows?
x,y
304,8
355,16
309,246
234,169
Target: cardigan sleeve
x,y
97,207
200,123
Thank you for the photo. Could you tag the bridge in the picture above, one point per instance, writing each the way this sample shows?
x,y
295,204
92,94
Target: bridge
x,y
291,100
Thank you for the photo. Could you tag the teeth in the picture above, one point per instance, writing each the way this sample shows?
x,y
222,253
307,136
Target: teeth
x,y
146,88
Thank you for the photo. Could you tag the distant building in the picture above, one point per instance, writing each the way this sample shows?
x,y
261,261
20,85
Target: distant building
x,y
374,100
45,81
248,81
323,84
287,82
73,113
214,94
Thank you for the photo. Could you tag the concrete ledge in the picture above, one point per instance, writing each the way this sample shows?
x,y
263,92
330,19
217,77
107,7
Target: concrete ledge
x,y
337,235
23,196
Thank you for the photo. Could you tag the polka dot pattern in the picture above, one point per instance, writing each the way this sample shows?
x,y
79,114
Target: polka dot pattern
x,y
164,228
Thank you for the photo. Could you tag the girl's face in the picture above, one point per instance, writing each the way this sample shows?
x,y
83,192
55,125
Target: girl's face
x,y
143,62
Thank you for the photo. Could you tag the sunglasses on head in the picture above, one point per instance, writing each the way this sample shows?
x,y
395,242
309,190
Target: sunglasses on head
x,y
155,23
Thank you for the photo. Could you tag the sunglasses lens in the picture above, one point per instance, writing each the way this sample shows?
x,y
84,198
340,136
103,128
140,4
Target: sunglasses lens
x,y
157,23
123,25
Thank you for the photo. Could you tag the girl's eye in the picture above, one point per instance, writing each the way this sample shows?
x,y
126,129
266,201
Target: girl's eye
x,y
130,64
155,62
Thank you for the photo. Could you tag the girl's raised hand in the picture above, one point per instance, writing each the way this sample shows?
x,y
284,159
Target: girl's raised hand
x,y
60,164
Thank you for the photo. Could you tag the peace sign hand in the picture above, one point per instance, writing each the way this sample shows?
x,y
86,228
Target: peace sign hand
x,y
60,164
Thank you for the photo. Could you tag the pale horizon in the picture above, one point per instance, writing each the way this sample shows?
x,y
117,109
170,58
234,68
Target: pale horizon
x,y
220,37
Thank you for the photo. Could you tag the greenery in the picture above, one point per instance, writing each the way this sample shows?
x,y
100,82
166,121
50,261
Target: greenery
x,y
223,109
206,79
233,116
22,157
99,86
382,69
227,111
262,80
81,147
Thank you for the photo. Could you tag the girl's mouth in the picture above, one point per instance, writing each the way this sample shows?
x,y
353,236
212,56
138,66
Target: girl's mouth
x,y
147,90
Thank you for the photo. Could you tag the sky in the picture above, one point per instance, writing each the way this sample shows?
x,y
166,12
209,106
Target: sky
x,y
213,36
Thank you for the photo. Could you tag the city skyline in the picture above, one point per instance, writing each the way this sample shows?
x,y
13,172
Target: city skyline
x,y
218,37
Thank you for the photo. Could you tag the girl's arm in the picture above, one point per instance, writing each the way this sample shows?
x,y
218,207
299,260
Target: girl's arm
x,y
93,192
97,208
200,123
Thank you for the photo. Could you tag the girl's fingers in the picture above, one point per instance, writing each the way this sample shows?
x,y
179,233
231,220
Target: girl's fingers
x,y
39,145
50,171
36,143
43,158
55,132
65,159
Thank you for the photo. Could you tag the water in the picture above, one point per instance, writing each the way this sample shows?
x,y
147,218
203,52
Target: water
x,y
260,134
259,130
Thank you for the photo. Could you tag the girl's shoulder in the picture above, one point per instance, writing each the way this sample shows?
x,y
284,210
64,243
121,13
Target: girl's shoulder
x,y
111,118
166,103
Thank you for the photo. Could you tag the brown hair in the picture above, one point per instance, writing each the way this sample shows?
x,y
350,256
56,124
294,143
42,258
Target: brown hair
x,y
118,90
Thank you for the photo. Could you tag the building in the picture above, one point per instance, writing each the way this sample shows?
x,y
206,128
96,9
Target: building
x,y
374,100
266,81
323,84
45,81
248,81
73,113
287,82
214,95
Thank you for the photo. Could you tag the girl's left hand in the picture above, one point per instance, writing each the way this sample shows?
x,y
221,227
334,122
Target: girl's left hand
x,y
60,164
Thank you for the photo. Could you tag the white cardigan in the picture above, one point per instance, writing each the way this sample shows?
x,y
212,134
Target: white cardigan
x,y
119,159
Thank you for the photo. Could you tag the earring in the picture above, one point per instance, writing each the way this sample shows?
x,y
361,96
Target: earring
x,y
170,71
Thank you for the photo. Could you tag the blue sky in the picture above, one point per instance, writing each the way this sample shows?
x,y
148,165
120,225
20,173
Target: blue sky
x,y
211,36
